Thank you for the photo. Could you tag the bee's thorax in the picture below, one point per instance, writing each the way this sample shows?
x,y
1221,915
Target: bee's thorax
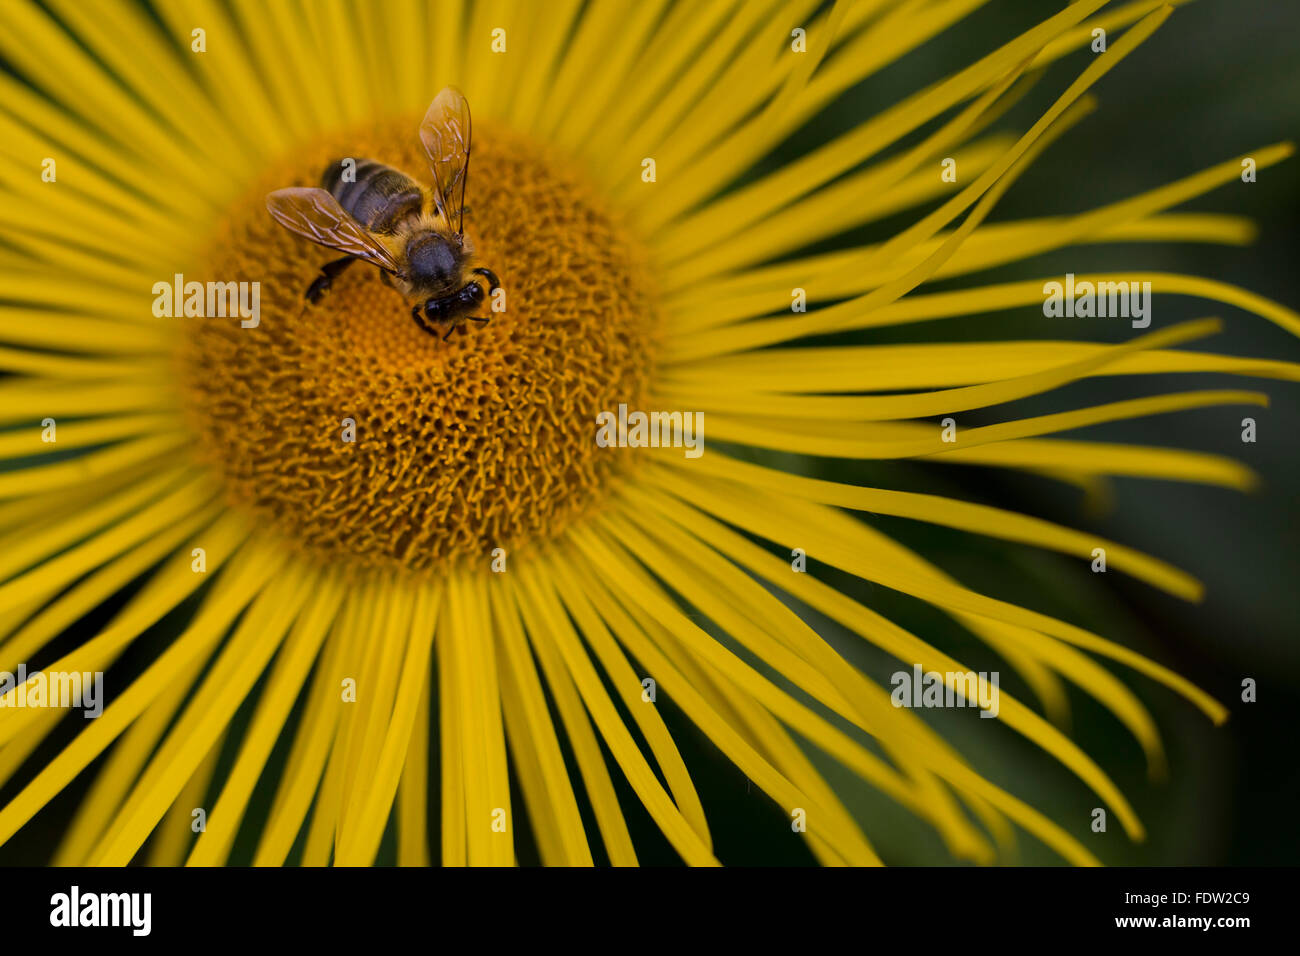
x,y
431,259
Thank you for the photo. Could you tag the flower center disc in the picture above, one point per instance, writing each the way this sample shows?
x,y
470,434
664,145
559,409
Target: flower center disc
x,y
486,440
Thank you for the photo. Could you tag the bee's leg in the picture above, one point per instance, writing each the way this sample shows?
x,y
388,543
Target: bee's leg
x,y
450,330
418,314
328,272
478,318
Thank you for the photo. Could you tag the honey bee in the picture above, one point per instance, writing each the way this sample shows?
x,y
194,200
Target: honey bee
x,y
415,235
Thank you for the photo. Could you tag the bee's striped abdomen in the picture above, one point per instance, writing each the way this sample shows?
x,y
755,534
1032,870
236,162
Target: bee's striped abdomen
x,y
379,198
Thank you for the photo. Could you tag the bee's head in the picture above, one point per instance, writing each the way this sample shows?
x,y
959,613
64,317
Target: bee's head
x,y
440,308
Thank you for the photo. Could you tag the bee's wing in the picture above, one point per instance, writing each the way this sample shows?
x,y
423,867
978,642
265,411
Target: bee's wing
x,y
445,134
316,215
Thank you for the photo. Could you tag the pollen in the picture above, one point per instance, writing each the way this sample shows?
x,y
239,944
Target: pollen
x,y
351,431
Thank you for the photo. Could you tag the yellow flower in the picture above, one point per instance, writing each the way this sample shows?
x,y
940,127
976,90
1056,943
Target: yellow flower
x,y
474,563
